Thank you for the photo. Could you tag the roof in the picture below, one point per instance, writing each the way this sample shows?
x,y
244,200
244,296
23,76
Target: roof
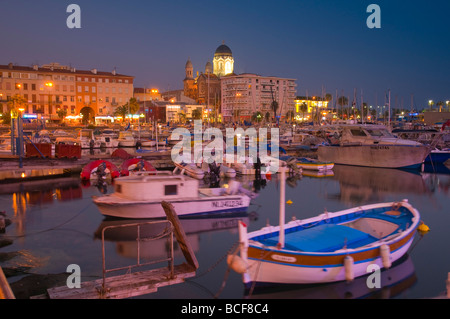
x,y
223,50
12,67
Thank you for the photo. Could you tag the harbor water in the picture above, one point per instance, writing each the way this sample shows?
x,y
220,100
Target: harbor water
x,y
54,224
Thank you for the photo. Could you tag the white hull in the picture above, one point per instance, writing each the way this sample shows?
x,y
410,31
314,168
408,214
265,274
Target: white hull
x,y
285,274
148,143
190,169
127,143
87,144
387,156
117,207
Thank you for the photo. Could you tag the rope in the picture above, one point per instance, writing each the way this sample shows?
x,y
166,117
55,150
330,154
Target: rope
x,y
227,272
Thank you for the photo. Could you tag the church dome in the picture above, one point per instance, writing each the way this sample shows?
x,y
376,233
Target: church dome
x,y
223,50
188,64
208,68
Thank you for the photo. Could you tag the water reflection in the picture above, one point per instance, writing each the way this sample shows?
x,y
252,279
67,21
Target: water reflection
x,y
360,185
127,245
395,280
38,193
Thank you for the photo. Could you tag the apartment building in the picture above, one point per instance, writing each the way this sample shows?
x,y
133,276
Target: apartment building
x,y
245,94
53,87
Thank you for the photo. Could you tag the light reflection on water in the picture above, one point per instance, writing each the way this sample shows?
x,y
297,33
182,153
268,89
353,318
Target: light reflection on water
x,y
55,223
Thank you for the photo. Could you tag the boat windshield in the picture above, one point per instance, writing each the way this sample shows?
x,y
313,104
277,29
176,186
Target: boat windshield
x,y
379,132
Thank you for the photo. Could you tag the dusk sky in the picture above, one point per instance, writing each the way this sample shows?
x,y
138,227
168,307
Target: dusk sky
x,y
321,44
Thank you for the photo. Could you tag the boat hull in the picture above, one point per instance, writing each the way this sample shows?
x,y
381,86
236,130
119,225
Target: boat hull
x,y
312,269
115,206
387,156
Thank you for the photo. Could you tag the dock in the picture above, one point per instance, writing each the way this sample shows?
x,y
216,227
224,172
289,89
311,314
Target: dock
x,y
14,170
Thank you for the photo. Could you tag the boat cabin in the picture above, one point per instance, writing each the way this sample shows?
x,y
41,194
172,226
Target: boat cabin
x,y
155,187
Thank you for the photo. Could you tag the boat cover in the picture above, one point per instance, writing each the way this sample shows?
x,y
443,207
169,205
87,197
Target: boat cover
x,y
322,238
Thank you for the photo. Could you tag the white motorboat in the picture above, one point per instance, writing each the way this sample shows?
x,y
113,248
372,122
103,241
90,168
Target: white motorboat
x,y
87,139
189,169
126,139
107,141
140,196
372,146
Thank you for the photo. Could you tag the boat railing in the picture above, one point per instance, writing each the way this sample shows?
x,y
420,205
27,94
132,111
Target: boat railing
x,y
167,232
151,173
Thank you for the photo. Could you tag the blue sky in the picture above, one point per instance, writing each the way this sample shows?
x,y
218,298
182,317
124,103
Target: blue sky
x,y
321,44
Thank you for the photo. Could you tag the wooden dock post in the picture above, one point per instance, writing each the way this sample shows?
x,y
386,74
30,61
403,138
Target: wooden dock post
x,y
5,289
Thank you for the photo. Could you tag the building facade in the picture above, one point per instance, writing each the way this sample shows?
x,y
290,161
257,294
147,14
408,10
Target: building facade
x,y
144,94
204,88
306,107
51,88
246,94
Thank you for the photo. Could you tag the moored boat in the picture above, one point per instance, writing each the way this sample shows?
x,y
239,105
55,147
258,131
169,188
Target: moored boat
x,y
372,146
307,163
126,139
140,196
330,247
189,169
135,165
90,170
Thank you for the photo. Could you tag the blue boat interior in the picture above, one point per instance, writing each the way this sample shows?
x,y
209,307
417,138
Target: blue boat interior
x,y
339,232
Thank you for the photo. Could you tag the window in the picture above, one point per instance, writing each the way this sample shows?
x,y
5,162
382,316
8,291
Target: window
x,y
86,89
358,132
170,189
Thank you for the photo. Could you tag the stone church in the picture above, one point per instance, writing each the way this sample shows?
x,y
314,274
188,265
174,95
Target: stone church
x,y
205,87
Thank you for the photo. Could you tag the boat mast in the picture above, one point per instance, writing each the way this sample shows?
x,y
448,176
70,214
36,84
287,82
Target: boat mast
x,y
282,207
389,103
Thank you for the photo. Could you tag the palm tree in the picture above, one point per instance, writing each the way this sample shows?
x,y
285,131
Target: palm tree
x,y
17,102
121,110
274,107
182,116
196,114
342,100
257,117
290,115
303,108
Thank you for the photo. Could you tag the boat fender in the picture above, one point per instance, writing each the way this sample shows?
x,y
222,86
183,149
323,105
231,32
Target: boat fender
x,y
385,256
237,264
348,266
423,228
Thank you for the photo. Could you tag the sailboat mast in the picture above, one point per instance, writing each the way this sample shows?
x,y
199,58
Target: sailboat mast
x,y
282,206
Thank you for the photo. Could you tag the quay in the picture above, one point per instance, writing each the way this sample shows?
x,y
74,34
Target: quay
x,y
13,169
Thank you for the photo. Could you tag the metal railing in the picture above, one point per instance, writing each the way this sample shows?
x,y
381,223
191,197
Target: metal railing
x,y
168,232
